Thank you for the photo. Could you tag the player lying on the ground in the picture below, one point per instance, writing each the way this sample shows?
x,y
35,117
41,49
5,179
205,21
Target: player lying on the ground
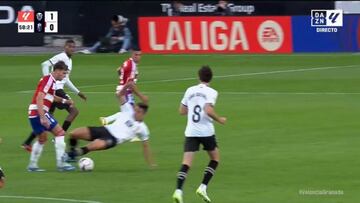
x,y
125,126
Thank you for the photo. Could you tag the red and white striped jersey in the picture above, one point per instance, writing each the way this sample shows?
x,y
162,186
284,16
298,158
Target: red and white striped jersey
x,y
47,86
128,71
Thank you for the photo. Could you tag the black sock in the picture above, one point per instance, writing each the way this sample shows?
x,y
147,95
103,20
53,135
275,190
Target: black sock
x,y
209,171
181,176
73,143
66,125
29,140
84,150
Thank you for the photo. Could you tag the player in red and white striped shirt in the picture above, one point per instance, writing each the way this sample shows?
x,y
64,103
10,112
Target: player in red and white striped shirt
x,y
129,72
42,121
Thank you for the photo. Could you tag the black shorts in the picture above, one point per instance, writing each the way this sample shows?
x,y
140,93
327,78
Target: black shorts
x,y
102,133
192,144
60,93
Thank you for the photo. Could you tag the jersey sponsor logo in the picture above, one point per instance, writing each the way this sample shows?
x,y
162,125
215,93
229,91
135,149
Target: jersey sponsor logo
x,y
129,123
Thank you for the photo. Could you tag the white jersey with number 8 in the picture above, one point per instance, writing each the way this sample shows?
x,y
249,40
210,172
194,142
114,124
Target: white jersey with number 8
x,y
199,124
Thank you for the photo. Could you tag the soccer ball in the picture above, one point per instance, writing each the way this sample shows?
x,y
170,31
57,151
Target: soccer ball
x,y
86,164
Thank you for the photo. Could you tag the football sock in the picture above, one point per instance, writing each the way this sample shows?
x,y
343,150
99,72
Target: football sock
x,y
181,176
73,142
60,149
66,125
31,137
209,171
85,150
37,149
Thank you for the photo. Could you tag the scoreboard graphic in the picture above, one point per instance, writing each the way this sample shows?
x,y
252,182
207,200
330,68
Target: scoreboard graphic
x,y
37,22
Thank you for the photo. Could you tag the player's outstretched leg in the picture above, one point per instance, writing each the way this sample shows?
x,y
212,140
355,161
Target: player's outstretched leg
x,y
73,113
82,133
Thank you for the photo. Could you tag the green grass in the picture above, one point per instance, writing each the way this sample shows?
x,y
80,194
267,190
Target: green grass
x,y
279,138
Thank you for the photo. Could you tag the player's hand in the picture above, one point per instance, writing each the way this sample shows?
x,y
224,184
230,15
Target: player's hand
x,y
82,96
44,121
145,99
222,120
130,84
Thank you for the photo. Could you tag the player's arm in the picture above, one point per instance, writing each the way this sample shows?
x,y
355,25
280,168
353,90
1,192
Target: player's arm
x,y
46,67
183,110
148,154
40,105
131,85
142,97
122,93
62,100
210,111
72,87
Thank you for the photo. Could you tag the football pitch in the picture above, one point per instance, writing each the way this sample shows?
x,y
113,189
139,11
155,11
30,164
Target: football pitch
x,y
292,134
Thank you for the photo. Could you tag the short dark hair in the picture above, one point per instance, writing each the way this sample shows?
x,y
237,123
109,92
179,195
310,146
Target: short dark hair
x,y
143,106
115,18
69,41
205,74
60,65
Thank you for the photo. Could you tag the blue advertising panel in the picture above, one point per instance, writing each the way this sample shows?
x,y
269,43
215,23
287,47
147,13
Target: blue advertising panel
x,y
313,39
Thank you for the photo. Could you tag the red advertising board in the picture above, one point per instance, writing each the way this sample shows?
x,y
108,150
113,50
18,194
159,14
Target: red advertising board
x,y
264,34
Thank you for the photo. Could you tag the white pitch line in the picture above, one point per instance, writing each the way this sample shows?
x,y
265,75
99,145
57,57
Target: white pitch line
x,y
235,75
48,198
223,76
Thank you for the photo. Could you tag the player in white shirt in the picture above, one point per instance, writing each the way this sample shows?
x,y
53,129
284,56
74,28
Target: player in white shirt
x,y
125,126
198,104
46,69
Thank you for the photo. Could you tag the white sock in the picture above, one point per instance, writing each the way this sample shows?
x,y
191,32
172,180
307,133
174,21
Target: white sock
x,y
60,150
37,149
111,118
203,186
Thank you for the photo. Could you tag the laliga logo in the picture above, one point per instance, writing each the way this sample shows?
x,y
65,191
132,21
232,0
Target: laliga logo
x,y
25,16
333,17
270,35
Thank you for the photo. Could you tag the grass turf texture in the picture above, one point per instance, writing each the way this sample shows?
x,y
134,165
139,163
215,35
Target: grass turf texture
x,y
276,142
